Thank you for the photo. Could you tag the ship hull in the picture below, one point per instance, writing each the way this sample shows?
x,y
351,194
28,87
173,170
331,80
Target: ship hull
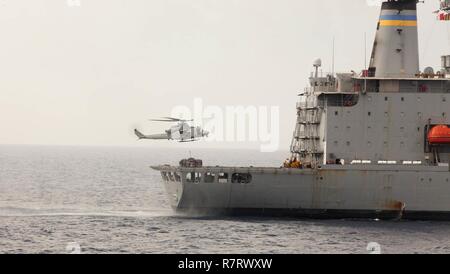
x,y
384,192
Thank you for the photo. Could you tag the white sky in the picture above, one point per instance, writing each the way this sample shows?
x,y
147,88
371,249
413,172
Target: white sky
x,y
87,75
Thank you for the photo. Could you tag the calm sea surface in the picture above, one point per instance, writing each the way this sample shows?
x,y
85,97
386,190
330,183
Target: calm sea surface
x,y
108,201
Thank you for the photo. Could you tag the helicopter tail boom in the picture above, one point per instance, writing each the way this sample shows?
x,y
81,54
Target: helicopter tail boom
x,y
141,136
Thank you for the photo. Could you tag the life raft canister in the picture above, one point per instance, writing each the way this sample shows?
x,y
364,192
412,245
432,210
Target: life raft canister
x,y
439,134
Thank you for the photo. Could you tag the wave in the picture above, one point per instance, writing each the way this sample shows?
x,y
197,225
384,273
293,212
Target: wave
x,y
36,212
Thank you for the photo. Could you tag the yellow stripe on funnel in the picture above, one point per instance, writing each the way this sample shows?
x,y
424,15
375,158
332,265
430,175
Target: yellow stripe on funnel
x,y
398,23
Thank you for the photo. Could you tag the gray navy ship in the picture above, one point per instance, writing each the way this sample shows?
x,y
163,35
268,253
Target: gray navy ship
x,y
374,144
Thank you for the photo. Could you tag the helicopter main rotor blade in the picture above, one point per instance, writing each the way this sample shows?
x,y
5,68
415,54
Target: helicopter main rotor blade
x,y
177,119
160,120
170,120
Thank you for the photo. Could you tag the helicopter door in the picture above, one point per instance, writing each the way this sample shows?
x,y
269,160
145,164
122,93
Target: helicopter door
x,y
192,132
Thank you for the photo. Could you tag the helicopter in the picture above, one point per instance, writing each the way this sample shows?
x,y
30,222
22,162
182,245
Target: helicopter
x,y
182,132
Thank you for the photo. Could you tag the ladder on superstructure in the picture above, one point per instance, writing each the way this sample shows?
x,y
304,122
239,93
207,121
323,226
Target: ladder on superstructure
x,y
306,140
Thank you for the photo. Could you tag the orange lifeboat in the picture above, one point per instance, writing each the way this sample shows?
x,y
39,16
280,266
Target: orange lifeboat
x,y
439,135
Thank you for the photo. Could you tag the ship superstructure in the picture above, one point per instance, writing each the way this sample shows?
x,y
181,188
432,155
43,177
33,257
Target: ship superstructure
x,y
374,143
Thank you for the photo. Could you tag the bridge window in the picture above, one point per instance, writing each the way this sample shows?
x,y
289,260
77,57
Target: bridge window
x,y
210,177
241,178
223,178
193,177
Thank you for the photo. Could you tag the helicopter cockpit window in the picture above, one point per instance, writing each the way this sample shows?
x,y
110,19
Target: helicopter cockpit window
x,y
241,178
177,177
164,175
171,176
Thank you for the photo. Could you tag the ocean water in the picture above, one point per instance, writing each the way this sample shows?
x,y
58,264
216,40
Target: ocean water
x,y
108,200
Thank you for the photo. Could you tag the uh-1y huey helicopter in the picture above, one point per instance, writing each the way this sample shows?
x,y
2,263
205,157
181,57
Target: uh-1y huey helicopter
x,y
181,132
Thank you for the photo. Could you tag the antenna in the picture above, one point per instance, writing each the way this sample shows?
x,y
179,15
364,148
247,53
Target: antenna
x,y
365,63
365,50
332,66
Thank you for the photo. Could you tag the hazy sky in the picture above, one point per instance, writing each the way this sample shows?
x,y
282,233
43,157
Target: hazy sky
x,y
88,74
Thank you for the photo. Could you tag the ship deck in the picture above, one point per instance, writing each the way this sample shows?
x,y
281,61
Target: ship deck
x,y
274,170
